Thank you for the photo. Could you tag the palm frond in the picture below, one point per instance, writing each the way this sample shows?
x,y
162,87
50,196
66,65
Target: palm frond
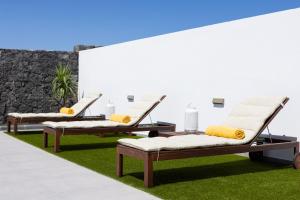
x,y
63,85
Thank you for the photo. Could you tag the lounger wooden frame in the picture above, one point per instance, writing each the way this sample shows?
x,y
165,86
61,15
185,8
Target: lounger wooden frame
x,y
153,128
15,121
149,156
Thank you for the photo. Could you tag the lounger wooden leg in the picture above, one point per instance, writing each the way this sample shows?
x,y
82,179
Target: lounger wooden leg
x,y
8,126
148,171
57,142
45,139
173,129
296,149
296,162
119,160
153,133
15,127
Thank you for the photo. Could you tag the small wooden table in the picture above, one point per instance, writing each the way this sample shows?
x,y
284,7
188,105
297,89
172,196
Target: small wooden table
x,y
169,134
91,118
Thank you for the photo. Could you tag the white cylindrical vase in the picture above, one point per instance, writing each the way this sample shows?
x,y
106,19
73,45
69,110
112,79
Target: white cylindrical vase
x,y
191,119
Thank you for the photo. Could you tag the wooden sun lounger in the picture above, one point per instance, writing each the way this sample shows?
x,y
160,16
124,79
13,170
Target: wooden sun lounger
x,y
255,152
153,129
15,121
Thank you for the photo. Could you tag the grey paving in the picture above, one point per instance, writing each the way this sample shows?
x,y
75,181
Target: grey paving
x,y
27,172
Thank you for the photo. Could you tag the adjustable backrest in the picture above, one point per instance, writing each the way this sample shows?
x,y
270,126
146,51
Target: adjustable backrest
x,y
84,103
140,109
254,114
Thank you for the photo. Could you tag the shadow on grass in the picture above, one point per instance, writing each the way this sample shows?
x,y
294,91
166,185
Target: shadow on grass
x,y
166,176
24,133
80,147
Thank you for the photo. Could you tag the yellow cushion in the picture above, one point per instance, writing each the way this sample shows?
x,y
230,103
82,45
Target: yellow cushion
x,y
65,110
225,131
120,118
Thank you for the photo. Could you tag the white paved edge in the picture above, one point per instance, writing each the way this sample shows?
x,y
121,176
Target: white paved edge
x,y
17,169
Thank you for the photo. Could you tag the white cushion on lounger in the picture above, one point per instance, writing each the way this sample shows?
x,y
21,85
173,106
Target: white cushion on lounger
x,y
82,124
250,116
151,97
177,142
78,107
252,113
136,111
25,115
82,104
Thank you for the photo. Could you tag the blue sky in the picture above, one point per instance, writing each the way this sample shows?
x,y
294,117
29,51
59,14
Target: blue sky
x,y
60,24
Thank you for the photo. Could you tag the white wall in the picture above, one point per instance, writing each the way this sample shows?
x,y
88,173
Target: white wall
x,y
248,57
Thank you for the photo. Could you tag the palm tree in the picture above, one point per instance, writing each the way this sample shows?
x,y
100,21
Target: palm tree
x,y
63,85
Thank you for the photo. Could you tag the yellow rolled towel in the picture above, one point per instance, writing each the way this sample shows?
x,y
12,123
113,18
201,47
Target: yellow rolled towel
x,y
68,111
120,118
225,131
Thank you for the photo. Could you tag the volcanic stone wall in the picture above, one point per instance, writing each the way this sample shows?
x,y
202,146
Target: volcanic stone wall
x,y
25,79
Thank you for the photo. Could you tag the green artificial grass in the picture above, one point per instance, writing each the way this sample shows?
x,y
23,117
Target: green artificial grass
x,y
216,177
